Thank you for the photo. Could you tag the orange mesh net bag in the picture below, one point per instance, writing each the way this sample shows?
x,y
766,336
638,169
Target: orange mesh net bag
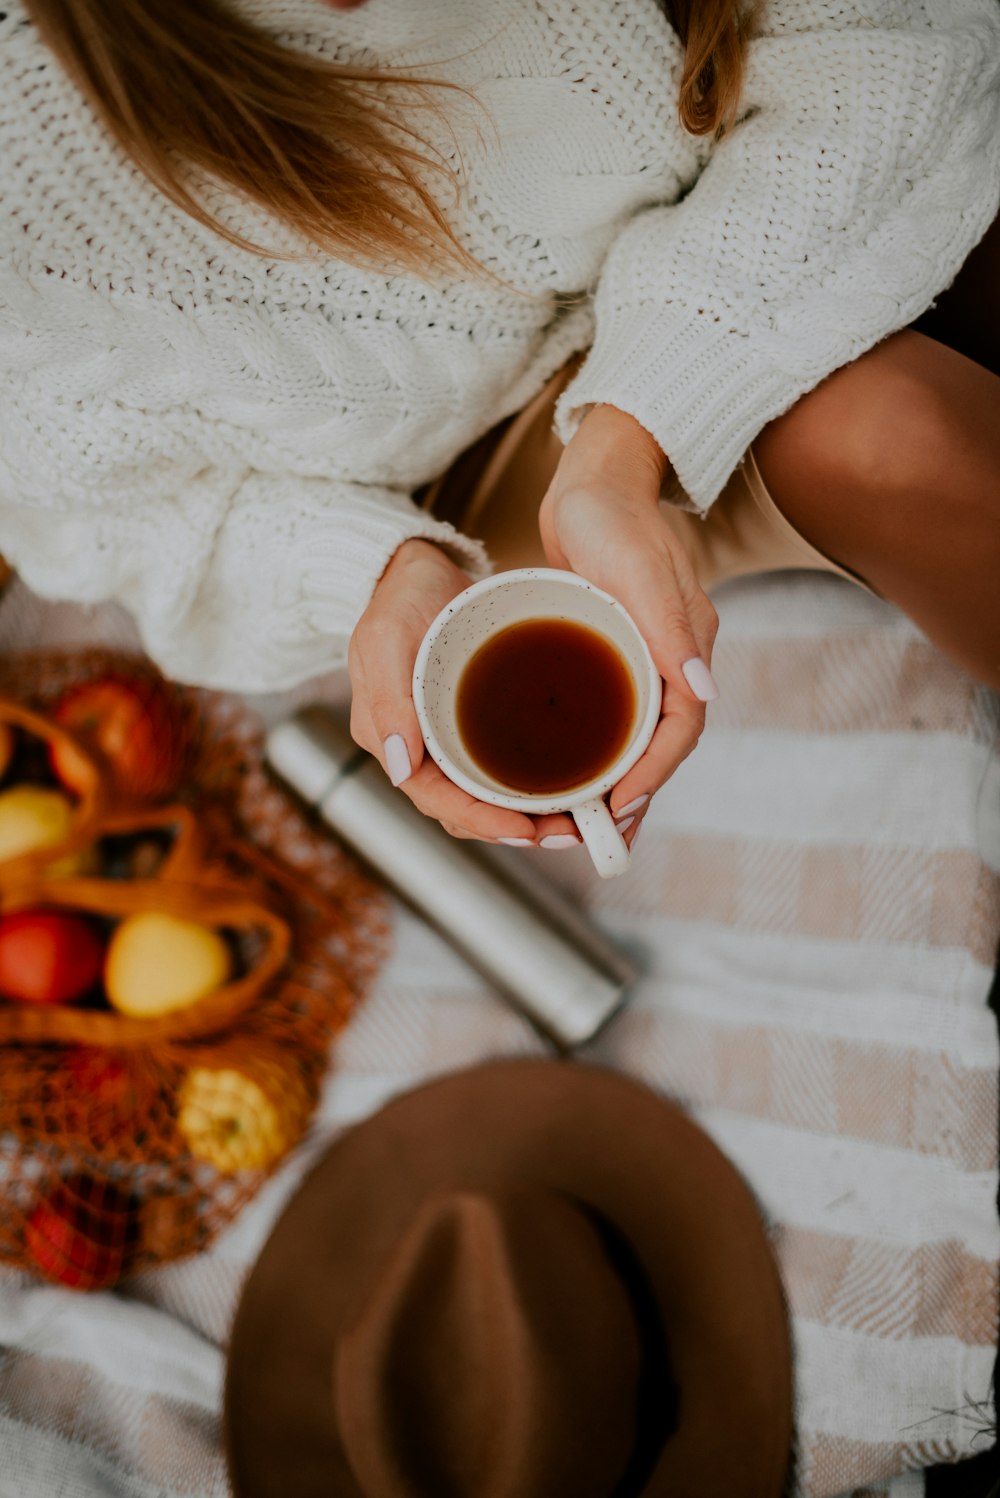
x,y
179,946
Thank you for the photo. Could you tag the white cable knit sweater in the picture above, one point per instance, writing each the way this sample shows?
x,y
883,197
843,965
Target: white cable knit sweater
x,y
226,443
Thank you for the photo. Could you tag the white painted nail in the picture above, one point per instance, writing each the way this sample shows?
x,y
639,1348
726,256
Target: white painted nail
x,y
632,806
624,826
700,679
517,842
397,759
560,840
635,836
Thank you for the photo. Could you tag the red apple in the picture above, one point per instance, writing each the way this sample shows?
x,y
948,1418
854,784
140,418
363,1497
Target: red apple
x,y
48,956
98,1074
79,1233
99,1094
134,726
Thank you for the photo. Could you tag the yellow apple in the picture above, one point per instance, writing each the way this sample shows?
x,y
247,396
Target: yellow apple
x,y
239,1122
32,817
158,963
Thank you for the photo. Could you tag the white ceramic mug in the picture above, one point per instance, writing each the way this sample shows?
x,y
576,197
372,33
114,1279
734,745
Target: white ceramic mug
x,y
482,611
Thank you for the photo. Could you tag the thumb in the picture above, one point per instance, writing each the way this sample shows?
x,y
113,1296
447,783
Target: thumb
x,y
554,554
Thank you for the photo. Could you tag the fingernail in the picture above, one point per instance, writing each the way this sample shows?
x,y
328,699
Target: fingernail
x,y
632,806
624,826
517,842
560,840
635,835
700,679
397,759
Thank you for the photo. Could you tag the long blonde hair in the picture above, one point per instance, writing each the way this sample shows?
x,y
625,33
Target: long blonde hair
x,y
182,84
715,34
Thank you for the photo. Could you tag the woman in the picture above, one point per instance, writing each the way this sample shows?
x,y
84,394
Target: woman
x,y
285,261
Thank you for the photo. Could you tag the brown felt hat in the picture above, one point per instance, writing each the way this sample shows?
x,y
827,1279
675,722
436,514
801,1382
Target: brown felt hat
x,y
534,1279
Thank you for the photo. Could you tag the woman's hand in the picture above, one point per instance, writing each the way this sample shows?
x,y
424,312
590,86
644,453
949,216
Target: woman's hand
x,y
416,585
601,519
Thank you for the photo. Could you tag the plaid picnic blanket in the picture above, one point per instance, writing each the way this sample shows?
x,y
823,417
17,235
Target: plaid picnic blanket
x,y
816,903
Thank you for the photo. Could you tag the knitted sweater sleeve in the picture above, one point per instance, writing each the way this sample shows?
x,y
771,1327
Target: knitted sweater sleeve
x,y
239,580
864,169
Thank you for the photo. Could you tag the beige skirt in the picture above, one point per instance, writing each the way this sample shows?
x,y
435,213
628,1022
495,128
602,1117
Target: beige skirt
x,y
494,488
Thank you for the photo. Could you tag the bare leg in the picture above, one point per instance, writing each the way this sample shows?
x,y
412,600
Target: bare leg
x,y
892,467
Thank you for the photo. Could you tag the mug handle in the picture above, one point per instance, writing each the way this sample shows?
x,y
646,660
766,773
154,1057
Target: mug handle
x,y
605,843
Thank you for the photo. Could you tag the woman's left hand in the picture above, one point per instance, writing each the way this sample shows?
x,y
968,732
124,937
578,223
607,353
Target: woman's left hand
x,y
601,519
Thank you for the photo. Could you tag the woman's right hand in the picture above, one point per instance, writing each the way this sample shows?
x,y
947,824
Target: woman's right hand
x,y
418,582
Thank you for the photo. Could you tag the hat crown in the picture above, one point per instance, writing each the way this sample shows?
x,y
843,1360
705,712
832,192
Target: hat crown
x,y
496,1356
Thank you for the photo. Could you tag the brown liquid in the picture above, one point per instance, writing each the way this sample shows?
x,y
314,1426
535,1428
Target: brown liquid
x,y
545,705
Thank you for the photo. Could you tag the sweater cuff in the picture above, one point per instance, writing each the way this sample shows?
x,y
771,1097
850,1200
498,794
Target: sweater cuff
x,y
286,613
342,567
704,399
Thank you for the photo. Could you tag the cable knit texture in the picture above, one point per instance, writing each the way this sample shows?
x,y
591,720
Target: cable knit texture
x,y
227,442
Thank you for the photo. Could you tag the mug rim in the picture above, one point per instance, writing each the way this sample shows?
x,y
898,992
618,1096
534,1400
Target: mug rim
x,y
536,804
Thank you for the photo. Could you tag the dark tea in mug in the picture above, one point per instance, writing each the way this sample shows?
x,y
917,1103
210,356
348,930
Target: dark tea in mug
x,y
545,705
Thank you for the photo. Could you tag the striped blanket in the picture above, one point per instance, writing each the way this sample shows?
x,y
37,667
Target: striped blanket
x,y
816,903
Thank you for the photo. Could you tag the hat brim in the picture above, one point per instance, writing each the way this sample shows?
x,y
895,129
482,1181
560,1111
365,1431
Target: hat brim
x,y
602,1138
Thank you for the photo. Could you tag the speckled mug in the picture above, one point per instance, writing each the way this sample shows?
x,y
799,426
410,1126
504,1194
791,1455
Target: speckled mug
x,y
465,624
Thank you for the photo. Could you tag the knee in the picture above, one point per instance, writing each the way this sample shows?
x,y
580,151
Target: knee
x,y
895,439
899,443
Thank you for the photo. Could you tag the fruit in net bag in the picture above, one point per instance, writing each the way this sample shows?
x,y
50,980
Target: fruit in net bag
x,y
101,1092
285,929
32,817
242,1116
79,1233
48,956
157,963
135,726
